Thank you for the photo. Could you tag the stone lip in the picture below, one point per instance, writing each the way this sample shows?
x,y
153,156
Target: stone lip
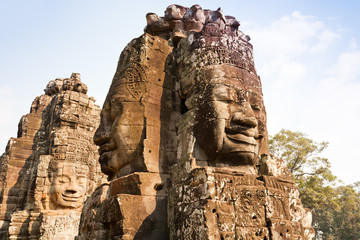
x,y
241,138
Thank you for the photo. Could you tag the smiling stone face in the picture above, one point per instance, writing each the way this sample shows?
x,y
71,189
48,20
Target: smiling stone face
x,y
68,187
231,120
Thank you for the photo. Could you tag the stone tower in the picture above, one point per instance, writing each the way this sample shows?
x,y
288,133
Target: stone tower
x,y
224,184
51,167
183,140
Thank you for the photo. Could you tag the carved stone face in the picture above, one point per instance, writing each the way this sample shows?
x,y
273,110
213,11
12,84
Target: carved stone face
x,y
230,123
68,187
121,130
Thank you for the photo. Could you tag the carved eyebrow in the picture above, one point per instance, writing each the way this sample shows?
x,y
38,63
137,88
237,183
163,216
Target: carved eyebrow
x,y
63,178
117,97
121,98
256,101
222,94
225,93
255,97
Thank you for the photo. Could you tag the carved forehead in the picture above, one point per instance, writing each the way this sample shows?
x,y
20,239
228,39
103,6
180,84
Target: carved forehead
x,y
121,93
231,75
210,76
117,95
223,88
130,83
70,168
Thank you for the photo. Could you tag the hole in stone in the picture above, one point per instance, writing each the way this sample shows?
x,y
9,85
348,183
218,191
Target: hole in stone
x,y
159,80
214,210
149,151
222,238
148,58
158,186
281,234
287,230
253,217
183,108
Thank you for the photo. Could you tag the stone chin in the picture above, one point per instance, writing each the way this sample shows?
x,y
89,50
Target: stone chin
x,y
238,149
233,149
120,162
72,202
109,165
68,201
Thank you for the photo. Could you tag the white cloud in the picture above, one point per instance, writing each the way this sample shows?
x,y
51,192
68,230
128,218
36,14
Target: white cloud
x,y
325,39
347,68
335,114
288,36
307,87
353,45
289,74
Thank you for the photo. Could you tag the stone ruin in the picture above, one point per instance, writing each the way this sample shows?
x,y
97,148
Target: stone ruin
x,y
49,170
183,140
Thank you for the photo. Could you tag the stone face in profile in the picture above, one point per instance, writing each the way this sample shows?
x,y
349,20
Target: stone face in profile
x,y
121,130
68,187
137,106
137,140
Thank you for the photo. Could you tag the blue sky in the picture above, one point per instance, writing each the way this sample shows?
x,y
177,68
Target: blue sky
x,y
306,52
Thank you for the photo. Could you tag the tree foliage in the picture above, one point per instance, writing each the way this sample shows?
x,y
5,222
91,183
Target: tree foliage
x,y
335,207
300,153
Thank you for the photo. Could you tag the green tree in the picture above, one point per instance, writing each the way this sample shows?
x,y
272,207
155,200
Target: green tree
x,y
347,219
335,207
300,153
317,194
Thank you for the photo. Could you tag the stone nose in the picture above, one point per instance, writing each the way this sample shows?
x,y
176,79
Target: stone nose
x,y
239,119
245,117
72,187
102,134
99,135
